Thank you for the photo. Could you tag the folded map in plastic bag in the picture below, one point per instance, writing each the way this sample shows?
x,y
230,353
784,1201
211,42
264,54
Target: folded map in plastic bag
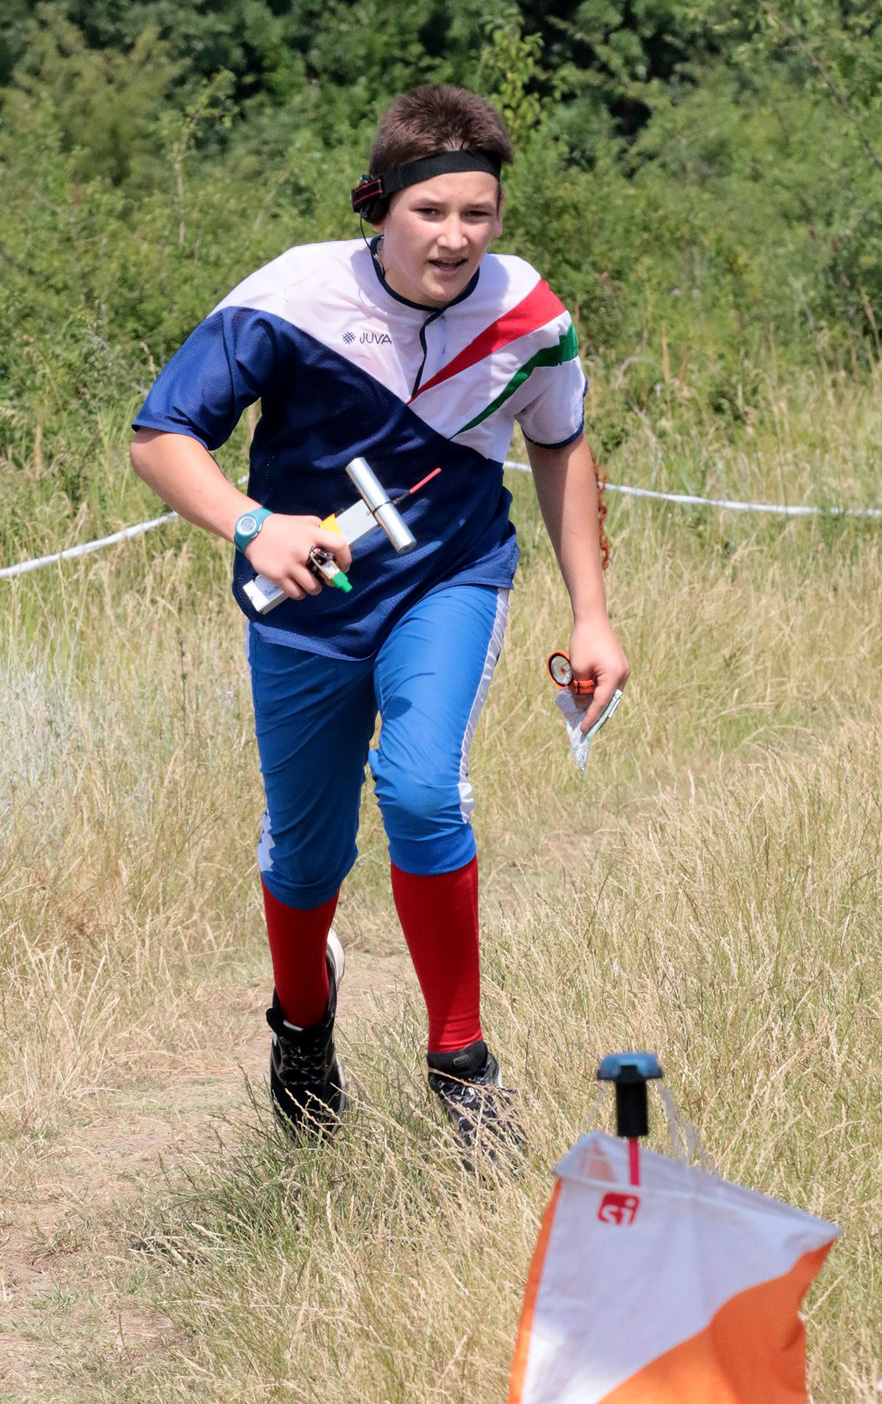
x,y
574,709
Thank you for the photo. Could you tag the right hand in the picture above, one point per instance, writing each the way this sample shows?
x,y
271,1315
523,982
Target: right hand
x,y
281,552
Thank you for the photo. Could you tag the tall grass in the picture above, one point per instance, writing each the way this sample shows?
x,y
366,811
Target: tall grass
x,y
709,888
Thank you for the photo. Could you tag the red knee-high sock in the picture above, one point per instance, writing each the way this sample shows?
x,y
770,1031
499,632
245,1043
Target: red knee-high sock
x,y
298,941
439,916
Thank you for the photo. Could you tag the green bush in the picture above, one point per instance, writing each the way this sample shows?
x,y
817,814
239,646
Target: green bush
x,y
700,189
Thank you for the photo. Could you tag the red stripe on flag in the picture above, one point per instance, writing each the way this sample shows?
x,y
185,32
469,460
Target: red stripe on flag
x,y
537,308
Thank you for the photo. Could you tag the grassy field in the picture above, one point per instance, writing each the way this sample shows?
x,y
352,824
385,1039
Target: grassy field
x,y
709,889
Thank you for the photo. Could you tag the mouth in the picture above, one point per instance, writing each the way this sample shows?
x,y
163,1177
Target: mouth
x,y
448,265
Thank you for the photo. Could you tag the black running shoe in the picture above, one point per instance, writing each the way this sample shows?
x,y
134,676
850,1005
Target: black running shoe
x,y
306,1077
468,1084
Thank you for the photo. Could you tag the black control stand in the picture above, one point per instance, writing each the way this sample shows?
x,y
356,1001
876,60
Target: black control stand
x,y
630,1072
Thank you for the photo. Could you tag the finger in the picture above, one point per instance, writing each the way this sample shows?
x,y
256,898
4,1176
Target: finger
x,y
590,718
338,546
599,701
309,583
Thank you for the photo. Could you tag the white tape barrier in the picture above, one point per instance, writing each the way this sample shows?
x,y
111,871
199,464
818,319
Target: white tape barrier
x,y
86,548
683,499
776,509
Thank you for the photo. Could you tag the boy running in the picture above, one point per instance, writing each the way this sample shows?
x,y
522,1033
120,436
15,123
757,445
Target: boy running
x,y
417,350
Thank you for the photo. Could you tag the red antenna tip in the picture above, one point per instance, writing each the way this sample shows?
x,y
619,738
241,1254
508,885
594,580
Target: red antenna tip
x,y
422,482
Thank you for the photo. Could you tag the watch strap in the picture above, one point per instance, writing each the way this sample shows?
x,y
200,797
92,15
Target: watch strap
x,y
248,526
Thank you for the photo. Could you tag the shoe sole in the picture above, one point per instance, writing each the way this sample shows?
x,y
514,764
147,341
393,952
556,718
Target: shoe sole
x,y
336,957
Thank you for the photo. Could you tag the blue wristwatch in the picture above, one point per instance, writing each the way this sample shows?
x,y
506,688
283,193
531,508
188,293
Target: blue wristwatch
x,y
248,526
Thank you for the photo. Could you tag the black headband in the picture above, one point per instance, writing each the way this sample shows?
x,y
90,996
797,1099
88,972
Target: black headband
x,y
371,188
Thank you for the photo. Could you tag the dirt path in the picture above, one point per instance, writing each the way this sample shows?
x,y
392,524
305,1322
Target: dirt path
x,y
60,1247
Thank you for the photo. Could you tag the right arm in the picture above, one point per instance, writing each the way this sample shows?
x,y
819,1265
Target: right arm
x,y
183,473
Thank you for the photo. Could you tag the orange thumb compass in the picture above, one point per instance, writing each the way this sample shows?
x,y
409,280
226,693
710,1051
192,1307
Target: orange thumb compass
x,y
560,670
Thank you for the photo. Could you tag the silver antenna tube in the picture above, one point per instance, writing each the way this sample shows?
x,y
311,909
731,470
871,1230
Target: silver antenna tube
x,y
376,498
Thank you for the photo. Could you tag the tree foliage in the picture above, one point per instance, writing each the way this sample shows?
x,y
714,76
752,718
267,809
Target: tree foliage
x,y
697,174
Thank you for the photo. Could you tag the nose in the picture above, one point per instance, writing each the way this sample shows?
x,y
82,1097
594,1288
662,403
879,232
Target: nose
x,y
452,233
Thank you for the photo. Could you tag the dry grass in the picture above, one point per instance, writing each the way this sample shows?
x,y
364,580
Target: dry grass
x,y
710,889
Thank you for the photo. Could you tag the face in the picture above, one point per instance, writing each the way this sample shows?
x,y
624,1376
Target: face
x,y
436,233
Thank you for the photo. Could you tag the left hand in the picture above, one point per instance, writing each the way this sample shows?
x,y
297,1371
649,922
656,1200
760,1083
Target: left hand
x,y
596,653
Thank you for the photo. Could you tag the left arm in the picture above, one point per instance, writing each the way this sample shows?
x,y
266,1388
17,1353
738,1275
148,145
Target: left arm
x,y
566,486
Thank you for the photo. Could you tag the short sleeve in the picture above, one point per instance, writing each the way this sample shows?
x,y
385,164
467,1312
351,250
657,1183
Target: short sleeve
x,y
550,409
223,366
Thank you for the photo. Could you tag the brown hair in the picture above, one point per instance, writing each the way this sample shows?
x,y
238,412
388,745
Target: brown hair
x,y
437,117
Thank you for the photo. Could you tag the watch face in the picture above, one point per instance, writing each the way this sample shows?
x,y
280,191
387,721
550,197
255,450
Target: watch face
x,y
246,525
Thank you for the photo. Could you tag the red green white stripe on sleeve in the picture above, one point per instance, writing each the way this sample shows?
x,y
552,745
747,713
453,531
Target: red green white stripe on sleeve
x,y
567,349
536,310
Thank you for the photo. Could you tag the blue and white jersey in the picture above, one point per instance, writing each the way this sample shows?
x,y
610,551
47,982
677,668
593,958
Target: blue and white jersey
x,y
342,365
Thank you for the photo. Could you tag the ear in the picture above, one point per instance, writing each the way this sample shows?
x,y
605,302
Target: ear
x,y
497,229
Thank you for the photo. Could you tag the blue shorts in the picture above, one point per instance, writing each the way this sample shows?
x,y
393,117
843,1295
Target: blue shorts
x,y
315,716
